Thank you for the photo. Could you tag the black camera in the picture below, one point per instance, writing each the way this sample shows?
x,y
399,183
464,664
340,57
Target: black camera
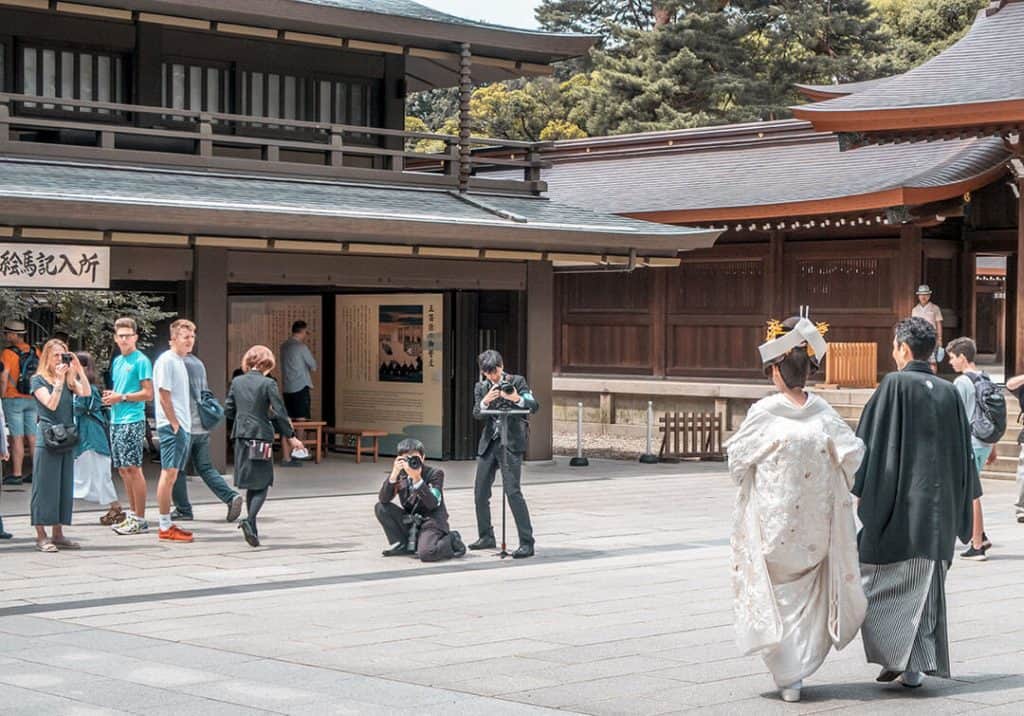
x,y
414,461
506,387
66,358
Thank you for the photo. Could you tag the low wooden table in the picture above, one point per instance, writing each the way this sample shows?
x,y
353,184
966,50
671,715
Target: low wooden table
x,y
358,434
302,430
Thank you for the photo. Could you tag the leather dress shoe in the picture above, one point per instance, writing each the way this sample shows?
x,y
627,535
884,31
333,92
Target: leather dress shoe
x,y
484,543
524,551
458,546
396,551
5,535
249,533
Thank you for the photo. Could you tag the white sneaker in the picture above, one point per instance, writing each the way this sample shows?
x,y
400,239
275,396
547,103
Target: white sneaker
x,y
131,526
791,694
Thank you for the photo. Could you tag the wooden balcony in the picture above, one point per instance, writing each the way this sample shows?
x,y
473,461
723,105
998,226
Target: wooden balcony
x,y
142,135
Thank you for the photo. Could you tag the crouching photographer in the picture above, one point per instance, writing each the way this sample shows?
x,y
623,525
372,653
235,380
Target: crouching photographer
x,y
420,525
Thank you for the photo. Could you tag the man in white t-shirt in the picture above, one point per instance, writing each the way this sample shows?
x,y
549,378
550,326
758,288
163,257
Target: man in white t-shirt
x,y
173,420
962,352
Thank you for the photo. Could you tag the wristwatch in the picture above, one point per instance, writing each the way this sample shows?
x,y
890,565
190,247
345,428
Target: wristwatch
x,y
123,397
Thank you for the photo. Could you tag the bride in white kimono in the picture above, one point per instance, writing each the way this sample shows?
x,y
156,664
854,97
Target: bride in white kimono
x,y
795,570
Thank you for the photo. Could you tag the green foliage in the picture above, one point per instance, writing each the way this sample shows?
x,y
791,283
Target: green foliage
x,y
668,64
88,316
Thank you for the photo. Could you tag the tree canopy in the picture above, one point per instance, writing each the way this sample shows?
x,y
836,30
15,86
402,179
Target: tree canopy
x,y
669,64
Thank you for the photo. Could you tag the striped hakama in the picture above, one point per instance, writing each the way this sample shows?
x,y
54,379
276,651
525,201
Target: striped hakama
x,y
905,626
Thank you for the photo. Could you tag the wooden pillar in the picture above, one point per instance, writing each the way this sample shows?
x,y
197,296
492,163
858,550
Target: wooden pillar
x,y
910,270
210,295
969,291
1013,329
540,280
659,319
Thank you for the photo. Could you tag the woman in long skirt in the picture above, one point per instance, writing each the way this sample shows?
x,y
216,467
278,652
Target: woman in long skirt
x,y
256,411
92,455
796,578
59,376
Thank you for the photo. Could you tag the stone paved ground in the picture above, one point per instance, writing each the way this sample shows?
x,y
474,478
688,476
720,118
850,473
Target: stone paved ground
x,y
625,610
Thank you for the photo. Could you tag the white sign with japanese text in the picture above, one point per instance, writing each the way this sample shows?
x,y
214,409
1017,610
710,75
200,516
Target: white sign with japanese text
x,y
54,266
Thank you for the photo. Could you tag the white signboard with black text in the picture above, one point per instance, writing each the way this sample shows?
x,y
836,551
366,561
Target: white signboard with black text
x,y
53,266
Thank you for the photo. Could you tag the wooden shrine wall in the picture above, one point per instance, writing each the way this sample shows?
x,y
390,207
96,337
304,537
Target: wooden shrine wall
x,y
707,317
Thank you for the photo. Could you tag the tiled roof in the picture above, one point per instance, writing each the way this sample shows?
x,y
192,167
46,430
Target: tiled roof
x,y
412,10
985,66
753,171
238,195
840,89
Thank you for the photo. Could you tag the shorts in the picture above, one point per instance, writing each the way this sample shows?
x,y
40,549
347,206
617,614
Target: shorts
x,y
126,444
981,456
174,447
298,404
21,416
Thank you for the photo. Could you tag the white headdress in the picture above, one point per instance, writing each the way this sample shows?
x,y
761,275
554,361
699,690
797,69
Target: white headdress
x,y
781,340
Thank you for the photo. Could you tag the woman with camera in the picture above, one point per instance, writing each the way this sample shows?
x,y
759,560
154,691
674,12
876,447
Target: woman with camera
x,y
60,377
256,410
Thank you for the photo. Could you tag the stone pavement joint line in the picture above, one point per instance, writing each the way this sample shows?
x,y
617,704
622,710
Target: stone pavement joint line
x,y
627,609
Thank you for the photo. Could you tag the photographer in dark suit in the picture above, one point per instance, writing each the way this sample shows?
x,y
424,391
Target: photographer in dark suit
x,y
499,391
420,525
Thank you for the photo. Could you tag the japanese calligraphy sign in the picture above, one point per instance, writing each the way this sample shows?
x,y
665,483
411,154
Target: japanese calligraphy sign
x,y
53,266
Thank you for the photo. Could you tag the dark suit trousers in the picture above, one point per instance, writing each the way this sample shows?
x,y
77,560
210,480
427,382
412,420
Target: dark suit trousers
x,y
511,465
433,545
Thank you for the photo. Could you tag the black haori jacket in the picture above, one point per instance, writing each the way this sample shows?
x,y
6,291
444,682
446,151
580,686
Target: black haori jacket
x,y
918,479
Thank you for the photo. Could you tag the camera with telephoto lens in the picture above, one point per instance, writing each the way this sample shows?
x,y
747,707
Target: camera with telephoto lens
x,y
506,387
414,521
66,358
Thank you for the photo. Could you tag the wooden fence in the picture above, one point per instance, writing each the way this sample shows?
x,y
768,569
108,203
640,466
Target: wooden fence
x,y
691,435
852,365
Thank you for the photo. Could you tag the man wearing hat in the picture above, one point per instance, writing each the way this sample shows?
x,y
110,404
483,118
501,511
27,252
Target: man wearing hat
x,y
19,362
933,314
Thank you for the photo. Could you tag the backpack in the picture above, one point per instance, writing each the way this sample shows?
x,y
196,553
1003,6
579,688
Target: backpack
x,y
28,364
989,420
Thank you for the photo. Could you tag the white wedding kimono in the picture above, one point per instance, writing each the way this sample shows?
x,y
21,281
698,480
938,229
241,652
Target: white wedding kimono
x,y
795,570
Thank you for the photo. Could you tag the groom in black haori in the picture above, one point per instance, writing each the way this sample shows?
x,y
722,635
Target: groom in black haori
x,y
916,486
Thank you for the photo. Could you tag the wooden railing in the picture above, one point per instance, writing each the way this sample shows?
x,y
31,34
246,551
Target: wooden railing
x,y
76,129
691,435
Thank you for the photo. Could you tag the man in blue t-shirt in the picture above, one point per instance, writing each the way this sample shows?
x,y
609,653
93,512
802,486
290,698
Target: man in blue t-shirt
x,y
132,378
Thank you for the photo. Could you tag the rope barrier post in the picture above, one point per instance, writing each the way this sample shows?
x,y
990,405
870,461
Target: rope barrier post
x,y
649,458
579,460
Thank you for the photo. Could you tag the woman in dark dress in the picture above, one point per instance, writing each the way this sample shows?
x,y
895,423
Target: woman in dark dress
x,y
256,411
59,378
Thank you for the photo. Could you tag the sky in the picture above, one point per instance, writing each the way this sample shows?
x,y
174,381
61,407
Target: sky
x,y
517,13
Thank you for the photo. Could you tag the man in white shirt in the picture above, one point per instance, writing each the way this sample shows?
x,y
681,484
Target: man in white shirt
x,y
173,420
297,364
962,352
933,314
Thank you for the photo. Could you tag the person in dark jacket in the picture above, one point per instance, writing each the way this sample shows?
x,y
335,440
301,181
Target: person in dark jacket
x,y
256,411
916,487
419,489
501,448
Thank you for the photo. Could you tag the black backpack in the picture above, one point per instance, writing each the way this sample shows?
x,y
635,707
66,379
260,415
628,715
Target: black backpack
x,y
28,364
989,420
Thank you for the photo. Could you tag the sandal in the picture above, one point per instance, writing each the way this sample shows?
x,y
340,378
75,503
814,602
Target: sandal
x,y
46,546
66,544
113,517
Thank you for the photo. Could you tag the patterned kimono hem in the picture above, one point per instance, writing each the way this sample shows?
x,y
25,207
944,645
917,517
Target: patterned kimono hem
x,y
905,626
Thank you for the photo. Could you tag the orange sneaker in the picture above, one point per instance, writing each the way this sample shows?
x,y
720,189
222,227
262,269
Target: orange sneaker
x,y
176,534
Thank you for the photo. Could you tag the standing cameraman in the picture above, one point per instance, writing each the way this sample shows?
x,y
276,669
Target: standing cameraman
x,y
501,391
420,525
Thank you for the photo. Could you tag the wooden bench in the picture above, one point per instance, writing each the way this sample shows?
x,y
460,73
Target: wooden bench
x,y
691,435
356,435
302,430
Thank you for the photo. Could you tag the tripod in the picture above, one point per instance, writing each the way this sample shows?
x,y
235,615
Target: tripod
x,y
501,415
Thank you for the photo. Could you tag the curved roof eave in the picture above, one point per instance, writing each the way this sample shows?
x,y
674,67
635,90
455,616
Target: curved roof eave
x,y
431,30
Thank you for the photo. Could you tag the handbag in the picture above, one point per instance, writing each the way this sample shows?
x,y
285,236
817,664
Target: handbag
x,y
211,412
60,438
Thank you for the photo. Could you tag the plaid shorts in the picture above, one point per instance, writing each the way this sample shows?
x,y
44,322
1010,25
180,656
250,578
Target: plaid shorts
x,y
126,444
